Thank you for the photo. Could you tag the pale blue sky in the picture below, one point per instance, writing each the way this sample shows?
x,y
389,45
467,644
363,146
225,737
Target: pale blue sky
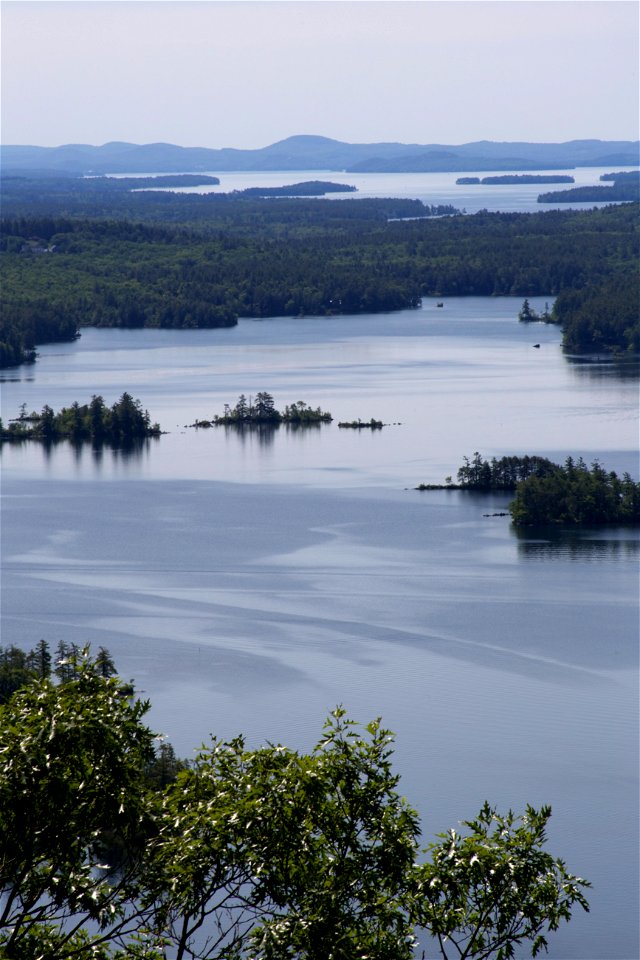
x,y
244,73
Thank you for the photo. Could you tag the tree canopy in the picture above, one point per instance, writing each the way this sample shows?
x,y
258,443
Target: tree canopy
x,y
546,493
125,422
190,261
574,494
109,847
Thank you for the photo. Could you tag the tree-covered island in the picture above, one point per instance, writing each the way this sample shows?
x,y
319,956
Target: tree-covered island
x,y
371,424
507,179
164,181
547,493
112,849
261,411
125,422
306,188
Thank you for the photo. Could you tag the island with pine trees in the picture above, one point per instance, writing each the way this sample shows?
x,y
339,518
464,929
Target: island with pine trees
x,y
123,423
548,493
261,411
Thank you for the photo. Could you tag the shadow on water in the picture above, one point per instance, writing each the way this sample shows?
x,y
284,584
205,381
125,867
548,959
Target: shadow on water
x,y
264,433
603,367
548,543
131,451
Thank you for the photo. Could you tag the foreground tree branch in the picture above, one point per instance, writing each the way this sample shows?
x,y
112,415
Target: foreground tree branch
x,y
265,854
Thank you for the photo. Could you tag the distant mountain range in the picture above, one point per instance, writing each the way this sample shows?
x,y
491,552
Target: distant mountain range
x,y
320,153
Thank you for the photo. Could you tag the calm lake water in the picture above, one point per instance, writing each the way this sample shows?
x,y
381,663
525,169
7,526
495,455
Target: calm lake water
x,y
432,188
251,582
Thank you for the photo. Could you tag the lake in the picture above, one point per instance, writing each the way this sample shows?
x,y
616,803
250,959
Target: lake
x,y
250,582
431,188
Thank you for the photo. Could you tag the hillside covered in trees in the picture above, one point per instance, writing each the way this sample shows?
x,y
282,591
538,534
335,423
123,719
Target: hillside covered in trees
x,y
624,186
267,257
71,257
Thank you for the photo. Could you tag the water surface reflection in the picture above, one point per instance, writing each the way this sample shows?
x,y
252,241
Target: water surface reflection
x,y
583,545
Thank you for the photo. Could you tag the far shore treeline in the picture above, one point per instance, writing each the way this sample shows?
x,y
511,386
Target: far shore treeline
x,y
77,253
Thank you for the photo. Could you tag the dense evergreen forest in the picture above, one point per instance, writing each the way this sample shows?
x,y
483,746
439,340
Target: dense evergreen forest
x,y
574,494
601,316
93,255
112,848
503,474
547,493
123,423
625,187
98,198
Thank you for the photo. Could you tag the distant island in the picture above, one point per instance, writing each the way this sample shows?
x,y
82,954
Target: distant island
x,y
547,493
123,423
516,178
165,180
308,188
261,411
527,314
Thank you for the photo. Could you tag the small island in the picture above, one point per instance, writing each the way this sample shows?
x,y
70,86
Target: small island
x,y
261,411
550,494
308,188
517,178
362,424
165,180
527,314
123,423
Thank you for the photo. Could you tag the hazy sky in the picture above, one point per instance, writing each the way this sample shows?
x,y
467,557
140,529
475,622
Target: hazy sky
x,y
246,73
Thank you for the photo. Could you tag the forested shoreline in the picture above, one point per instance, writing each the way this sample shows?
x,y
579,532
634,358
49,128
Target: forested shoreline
x,y
625,186
113,257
